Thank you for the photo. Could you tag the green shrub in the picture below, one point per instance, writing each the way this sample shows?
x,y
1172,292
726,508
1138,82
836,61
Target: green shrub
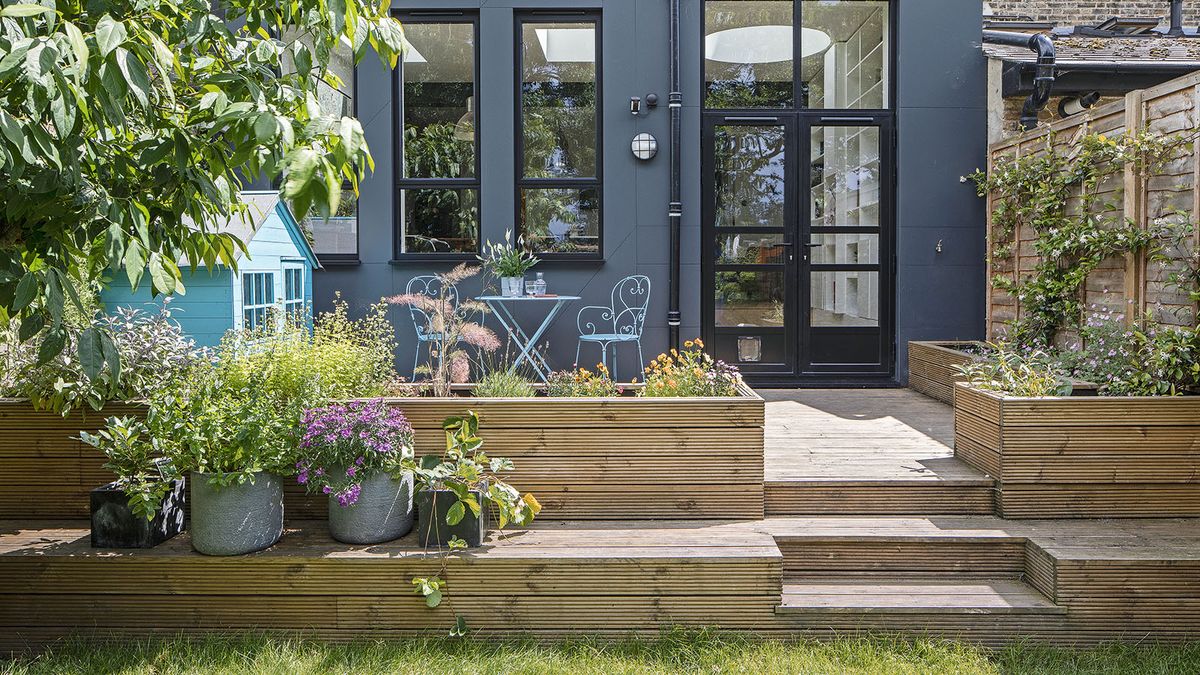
x,y
504,384
1161,361
151,350
1017,373
135,459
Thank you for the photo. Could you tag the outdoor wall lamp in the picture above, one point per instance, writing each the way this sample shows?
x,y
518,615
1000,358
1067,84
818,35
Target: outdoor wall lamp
x,y
635,103
644,146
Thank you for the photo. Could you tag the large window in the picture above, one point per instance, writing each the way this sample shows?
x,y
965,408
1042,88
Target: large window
x,y
558,134
438,159
750,48
294,310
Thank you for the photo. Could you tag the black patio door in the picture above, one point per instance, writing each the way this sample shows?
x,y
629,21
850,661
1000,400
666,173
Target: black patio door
x,y
797,245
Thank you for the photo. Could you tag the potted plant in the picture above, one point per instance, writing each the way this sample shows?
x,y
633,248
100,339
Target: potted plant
x,y
236,440
358,454
509,263
456,489
144,506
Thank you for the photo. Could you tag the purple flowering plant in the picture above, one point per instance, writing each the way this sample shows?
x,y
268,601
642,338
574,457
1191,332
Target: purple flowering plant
x,y
344,443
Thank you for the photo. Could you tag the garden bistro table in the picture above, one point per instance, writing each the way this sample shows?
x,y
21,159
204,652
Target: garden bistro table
x,y
527,342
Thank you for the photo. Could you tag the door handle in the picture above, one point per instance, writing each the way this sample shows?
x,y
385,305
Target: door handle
x,y
814,245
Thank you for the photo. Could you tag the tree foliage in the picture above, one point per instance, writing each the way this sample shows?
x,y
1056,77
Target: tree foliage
x,y
127,128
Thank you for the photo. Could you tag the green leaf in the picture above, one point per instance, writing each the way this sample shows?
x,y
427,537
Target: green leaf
x,y
135,75
433,598
78,43
23,10
27,289
112,356
109,34
31,326
265,127
54,299
135,263
91,353
52,345
456,513
460,626
161,279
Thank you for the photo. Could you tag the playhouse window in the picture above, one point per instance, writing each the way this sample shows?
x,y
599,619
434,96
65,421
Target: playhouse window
x,y
258,297
293,295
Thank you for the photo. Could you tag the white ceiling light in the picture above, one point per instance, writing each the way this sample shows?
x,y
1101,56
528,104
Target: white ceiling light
x,y
567,45
762,44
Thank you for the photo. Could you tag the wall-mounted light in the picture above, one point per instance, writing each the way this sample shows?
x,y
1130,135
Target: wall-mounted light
x,y
644,146
635,105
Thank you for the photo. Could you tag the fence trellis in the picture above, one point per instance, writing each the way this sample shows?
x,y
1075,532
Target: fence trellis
x,y
1131,284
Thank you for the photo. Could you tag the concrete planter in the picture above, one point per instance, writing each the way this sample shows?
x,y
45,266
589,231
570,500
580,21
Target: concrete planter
x,y
432,529
240,518
383,512
115,525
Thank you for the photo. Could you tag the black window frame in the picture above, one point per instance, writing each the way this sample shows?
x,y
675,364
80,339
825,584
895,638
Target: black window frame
x,y
400,182
583,16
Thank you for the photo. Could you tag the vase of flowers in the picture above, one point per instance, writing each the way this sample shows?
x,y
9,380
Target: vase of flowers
x,y
509,263
356,453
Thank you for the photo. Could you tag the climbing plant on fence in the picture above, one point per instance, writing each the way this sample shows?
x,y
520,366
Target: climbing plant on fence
x,y
1057,194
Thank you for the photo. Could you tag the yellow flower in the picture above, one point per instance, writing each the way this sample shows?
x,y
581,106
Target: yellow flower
x,y
688,344
698,372
699,343
647,371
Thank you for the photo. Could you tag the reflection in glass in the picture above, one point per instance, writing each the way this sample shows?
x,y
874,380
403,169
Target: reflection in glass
x,y
561,220
748,54
337,236
851,69
845,177
750,298
438,111
845,249
845,299
440,220
749,163
558,99
751,249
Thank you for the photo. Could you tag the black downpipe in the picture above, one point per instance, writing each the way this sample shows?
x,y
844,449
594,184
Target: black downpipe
x,y
1043,81
675,208
1176,19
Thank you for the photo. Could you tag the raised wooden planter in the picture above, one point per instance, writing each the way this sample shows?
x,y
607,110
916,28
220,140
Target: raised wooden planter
x,y
45,470
931,366
1083,456
618,458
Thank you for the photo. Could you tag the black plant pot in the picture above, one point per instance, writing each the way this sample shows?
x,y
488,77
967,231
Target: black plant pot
x,y
115,525
432,529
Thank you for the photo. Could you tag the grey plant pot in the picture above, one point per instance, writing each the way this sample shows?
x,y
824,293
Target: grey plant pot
x,y
383,512
236,519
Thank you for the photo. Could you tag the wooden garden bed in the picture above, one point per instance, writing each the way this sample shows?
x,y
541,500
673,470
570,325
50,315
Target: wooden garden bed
x,y
931,366
1083,456
617,458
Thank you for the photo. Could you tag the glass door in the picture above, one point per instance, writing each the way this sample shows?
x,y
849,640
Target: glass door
x,y
749,268
846,275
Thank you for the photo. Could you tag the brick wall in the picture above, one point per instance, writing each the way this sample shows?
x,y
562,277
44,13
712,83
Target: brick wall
x,y
1091,12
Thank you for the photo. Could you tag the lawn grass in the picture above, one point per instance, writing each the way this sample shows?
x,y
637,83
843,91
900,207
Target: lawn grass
x,y
674,652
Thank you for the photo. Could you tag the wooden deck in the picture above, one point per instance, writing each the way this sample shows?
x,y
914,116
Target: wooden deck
x,y
866,451
872,526
978,578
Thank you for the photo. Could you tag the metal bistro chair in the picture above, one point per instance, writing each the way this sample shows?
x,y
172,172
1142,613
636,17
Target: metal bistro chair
x,y
432,286
620,322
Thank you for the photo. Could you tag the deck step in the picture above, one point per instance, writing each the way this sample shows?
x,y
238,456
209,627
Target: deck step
x,y
885,595
853,546
848,496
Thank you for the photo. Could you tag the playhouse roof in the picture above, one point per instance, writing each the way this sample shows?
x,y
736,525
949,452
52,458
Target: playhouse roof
x,y
260,204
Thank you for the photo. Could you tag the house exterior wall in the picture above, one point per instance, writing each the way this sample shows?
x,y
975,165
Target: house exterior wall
x,y
941,135
1090,12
